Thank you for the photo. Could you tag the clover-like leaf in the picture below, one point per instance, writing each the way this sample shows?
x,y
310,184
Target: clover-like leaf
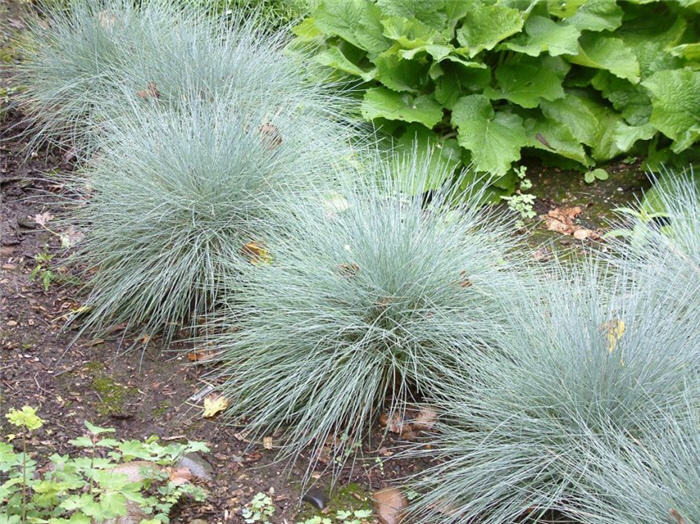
x,y
494,139
380,102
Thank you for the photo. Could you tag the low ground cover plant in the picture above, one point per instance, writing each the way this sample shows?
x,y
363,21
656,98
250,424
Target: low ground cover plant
x,y
92,61
589,373
90,487
371,297
176,192
576,83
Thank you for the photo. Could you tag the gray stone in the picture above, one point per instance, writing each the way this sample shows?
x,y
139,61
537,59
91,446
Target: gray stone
x,y
199,467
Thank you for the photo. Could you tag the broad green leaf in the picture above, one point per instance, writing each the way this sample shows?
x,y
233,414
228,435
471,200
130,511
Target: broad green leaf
x,y
424,145
431,13
573,114
484,26
527,81
650,38
113,504
545,35
626,136
606,52
564,8
380,102
399,74
690,52
556,138
676,105
334,57
306,31
494,139
597,15
436,51
410,33
457,81
631,100
356,21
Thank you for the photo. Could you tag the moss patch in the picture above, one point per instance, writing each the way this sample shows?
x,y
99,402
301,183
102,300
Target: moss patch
x,y
351,497
115,398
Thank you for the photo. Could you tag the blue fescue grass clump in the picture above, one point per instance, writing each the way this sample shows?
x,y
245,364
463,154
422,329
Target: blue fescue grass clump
x,y
172,193
660,238
372,297
590,363
652,481
87,63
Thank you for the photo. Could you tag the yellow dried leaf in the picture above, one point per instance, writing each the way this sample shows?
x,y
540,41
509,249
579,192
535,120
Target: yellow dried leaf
x,y
267,442
613,331
214,404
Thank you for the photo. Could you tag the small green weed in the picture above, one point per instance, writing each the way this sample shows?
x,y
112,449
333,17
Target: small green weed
x,y
89,488
42,270
522,203
258,509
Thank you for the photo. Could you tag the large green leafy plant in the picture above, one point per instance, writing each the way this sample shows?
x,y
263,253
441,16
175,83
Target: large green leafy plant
x,y
578,82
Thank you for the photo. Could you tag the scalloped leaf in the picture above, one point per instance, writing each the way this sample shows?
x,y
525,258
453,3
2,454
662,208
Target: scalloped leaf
x,y
494,139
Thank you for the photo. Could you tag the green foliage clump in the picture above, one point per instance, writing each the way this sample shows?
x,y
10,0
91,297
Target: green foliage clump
x,y
88,488
373,295
94,61
592,376
577,83
175,193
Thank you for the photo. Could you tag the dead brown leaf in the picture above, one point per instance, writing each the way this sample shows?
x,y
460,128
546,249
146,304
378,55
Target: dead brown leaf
x,y
389,504
348,270
267,442
677,516
179,476
425,419
561,220
43,218
256,253
271,136
201,355
151,91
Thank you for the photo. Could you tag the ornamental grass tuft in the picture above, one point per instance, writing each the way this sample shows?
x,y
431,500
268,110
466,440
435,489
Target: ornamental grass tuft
x,y
87,63
590,370
372,297
172,193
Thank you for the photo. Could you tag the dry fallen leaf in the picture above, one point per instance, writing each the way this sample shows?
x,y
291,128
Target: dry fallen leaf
x,y
256,254
201,356
389,504
561,220
348,270
613,331
214,404
677,516
464,279
43,218
179,476
70,237
151,91
267,442
393,423
271,136
425,419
